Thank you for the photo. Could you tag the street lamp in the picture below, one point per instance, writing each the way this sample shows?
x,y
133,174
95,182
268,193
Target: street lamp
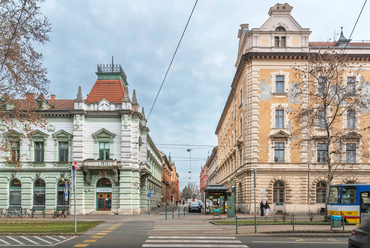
x,y
189,150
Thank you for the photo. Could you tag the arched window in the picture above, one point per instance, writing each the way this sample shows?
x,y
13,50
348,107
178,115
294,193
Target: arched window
x,y
63,201
15,194
39,193
279,192
320,192
350,182
280,29
104,182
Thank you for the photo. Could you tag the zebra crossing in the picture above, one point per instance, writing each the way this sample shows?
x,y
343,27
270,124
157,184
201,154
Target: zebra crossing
x,y
38,241
193,241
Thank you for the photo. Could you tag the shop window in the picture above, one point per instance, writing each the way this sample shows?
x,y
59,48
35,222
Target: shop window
x,y
351,153
15,194
39,193
320,192
62,201
279,192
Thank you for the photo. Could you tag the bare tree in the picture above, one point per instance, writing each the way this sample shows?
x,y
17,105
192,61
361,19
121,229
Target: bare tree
x,y
334,99
21,72
191,191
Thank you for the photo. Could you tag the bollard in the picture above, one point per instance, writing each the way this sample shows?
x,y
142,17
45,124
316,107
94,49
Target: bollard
x,y
166,213
343,220
43,213
173,214
255,223
236,224
184,211
293,221
179,210
331,223
33,212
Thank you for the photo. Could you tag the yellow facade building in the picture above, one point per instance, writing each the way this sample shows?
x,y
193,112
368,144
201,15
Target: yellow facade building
x,y
256,128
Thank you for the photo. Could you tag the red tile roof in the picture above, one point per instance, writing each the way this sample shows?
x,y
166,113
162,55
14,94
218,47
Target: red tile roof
x,y
111,90
61,104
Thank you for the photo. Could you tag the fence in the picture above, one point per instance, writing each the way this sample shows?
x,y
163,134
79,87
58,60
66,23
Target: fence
x,y
173,211
21,212
333,221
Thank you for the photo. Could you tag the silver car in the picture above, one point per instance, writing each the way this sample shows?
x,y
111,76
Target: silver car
x,y
194,206
360,236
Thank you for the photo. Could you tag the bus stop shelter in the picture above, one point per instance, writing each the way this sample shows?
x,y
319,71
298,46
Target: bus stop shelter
x,y
215,198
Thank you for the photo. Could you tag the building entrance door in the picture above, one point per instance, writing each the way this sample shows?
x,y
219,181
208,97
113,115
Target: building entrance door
x,y
104,201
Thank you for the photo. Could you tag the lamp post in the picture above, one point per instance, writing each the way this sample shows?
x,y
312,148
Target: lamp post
x,y
189,150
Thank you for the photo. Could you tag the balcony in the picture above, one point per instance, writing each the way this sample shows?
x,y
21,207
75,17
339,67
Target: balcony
x,y
101,164
145,169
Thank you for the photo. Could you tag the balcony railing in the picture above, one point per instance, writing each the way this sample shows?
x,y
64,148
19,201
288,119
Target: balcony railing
x,y
101,163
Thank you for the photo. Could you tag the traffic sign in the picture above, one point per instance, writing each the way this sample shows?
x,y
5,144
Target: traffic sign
x,y
66,186
149,195
75,165
66,196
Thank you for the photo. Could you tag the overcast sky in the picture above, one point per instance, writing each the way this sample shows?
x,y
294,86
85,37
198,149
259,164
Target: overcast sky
x,y
142,35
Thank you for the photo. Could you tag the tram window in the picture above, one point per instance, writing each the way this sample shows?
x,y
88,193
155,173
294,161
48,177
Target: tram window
x,y
348,195
334,195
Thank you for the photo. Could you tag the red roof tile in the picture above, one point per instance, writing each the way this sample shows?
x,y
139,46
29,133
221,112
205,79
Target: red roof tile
x,y
111,90
61,104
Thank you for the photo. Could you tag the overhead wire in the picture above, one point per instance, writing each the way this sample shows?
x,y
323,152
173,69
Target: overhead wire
x,y
173,57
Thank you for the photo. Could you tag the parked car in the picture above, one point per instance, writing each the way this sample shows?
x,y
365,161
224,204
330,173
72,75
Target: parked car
x,y
360,236
194,206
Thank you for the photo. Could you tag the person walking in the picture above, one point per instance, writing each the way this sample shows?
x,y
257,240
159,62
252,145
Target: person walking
x,y
262,208
267,207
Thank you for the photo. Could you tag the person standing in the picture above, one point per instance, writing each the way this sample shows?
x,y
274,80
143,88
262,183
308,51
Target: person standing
x,y
262,208
267,207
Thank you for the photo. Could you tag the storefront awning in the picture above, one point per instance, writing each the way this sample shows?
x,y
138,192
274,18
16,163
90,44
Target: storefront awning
x,y
216,187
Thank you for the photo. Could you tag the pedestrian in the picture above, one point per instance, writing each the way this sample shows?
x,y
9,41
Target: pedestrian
x,y
267,207
176,203
262,207
183,202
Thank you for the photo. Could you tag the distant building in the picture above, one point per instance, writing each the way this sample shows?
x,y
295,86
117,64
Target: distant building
x,y
212,164
255,128
203,180
105,133
175,183
166,180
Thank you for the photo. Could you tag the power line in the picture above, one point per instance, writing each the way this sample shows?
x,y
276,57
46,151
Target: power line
x,y
357,19
173,57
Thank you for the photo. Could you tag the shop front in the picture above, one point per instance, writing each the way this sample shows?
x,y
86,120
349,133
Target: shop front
x,y
215,199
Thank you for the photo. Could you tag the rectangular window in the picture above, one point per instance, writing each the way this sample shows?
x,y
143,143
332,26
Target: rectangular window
x,y
279,84
39,151
350,119
351,85
241,96
321,153
276,41
334,195
279,152
279,118
351,153
63,151
322,85
104,151
348,195
321,119
283,41
15,150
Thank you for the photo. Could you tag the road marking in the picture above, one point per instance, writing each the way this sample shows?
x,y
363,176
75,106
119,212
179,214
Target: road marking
x,y
96,237
16,240
43,240
30,240
89,240
191,241
81,245
62,237
57,240
102,233
7,243
195,245
188,237
294,242
106,231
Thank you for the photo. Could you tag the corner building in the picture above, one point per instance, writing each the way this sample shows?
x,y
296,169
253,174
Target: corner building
x,y
255,128
105,134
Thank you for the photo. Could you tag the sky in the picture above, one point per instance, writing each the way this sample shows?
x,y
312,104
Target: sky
x,y
142,36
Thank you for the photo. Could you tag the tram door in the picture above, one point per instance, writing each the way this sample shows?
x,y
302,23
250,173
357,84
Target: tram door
x,y
365,202
104,201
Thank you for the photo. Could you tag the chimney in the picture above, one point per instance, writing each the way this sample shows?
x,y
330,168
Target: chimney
x,y
53,97
30,96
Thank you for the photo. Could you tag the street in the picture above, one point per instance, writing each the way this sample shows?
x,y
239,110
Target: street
x,y
192,230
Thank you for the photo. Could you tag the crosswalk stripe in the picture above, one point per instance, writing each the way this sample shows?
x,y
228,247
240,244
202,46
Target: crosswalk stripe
x,y
7,243
194,245
57,240
30,240
191,241
16,240
62,237
43,240
188,237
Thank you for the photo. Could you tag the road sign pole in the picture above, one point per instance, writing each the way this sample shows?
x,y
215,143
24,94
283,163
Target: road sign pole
x,y
73,172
